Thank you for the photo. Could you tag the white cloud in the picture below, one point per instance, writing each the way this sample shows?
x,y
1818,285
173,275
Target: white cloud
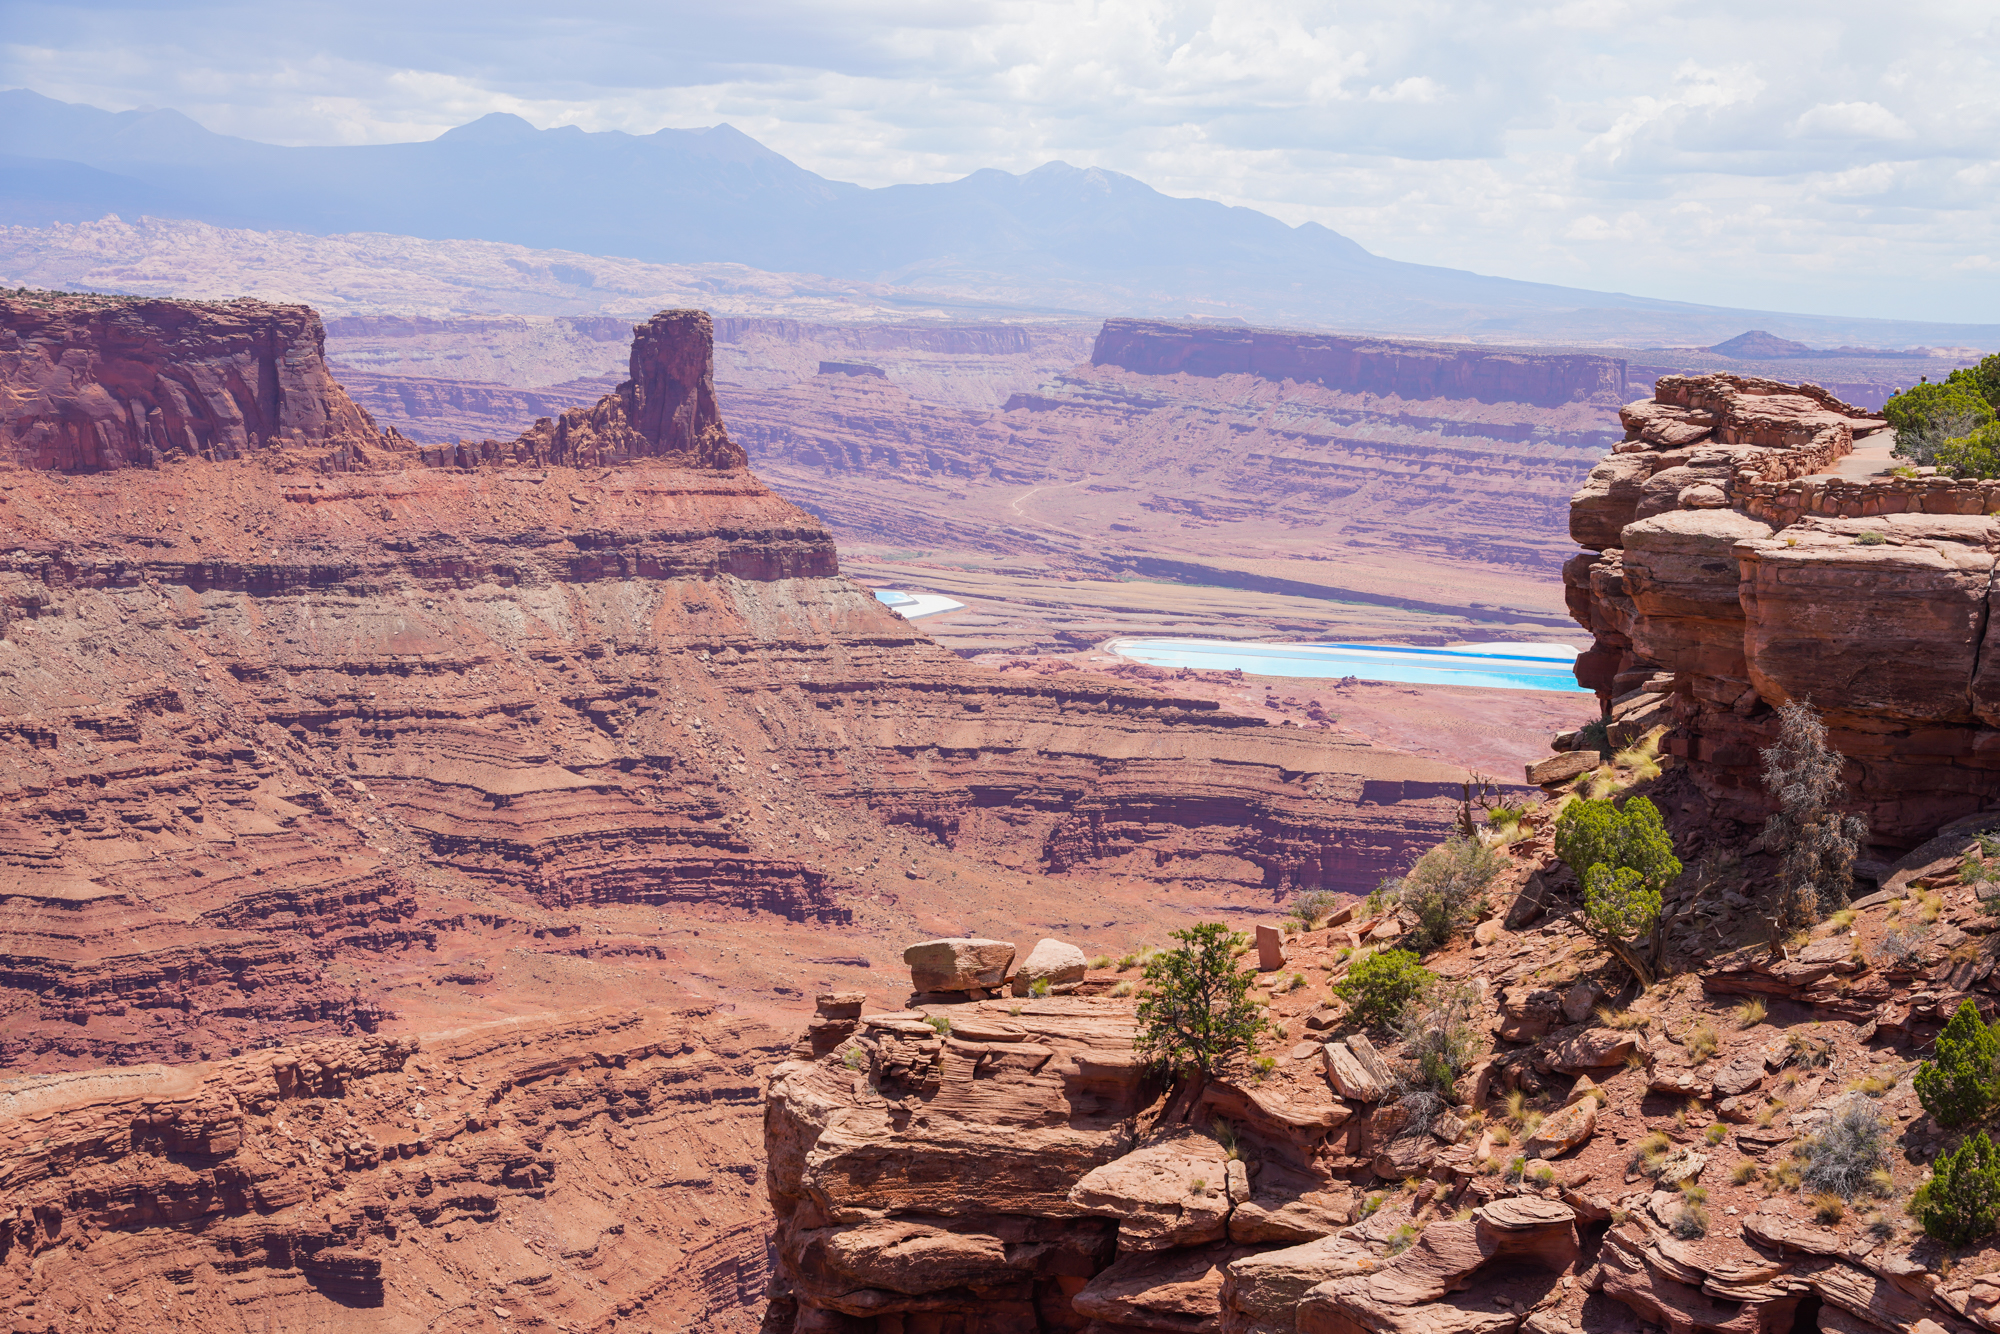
x,y
1691,149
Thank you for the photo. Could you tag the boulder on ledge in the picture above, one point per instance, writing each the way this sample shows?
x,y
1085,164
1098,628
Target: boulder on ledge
x,y
960,963
1056,962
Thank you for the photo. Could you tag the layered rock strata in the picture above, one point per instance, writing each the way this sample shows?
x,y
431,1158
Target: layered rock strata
x,y
547,1173
1734,567
261,724
95,384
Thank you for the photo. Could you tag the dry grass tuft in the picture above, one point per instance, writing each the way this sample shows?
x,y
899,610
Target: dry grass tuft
x,y
1751,1013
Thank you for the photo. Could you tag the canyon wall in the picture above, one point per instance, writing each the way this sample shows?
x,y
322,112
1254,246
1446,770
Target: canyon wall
x,y
300,747
1742,555
546,1172
1405,370
96,384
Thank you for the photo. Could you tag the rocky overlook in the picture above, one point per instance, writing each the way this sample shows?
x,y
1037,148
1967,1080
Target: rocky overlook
x,y
1740,558
307,742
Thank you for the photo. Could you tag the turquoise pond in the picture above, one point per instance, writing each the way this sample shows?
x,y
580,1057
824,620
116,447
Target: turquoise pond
x,y
1498,665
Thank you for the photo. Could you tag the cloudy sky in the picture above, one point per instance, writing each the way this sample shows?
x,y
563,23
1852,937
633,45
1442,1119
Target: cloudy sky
x,y
1830,156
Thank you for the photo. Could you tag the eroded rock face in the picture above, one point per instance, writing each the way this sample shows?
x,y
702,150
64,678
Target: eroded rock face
x,y
93,384
1739,570
339,1184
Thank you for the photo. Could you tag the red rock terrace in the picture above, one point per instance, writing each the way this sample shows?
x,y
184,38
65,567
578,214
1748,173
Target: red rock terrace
x,y
981,1162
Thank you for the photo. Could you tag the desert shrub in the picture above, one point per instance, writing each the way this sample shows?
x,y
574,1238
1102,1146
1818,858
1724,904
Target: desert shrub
x,y
1959,1084
1691,1223
1543,1176
1702,1043
854,1059
1623,857
1751,1013
1379,987
1310,907
1975,454
1594,735
1446,886
1196,1014
1849,1149
939,1023
1929,413
1961,1201
1829,1207
1816,844
1869,539
1401,1239
1897,950
1716,1133
1642,757
1099,962
1744,1173
1123,988
1441,1034
1619,1019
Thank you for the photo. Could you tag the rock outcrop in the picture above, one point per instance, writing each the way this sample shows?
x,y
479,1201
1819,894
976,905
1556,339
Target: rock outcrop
x,y
1742,569
346,1184
95,383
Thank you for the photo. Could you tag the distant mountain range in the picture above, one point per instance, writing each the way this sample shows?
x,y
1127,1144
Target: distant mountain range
x,y
1055,240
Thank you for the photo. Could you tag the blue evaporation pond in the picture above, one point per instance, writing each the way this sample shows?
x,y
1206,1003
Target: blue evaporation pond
x,y
1498,666
890,597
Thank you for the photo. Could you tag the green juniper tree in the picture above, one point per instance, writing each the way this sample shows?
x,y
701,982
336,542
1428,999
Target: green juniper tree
x,y
1196,1017
1961,1201
1960,1084
1623,858
1929,413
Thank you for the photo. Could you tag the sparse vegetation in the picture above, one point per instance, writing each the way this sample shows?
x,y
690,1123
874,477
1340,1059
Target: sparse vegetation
x,y
1123,988
1828,1207
854,1059
1641,759
1649,1153
1198,1186
1441,1034
1751,1013
1816,843
1873,1086
1619,1019
1744,1173
1623,858
1703,1042
1691,1223
1039,988
939,1023
1446,886
1870,538
1804,1049
1402,1239
1102,961
1378,988
1960,1083
1961,1201
1515,1166
1852,1145
1311,907
1716,1133
1543,1176
1195,1016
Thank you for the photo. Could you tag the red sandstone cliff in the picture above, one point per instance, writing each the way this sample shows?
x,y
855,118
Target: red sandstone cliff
x,y
1361,365
94,384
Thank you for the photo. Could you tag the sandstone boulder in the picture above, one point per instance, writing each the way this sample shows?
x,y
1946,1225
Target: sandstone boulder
x,y
1580,1000
1177,1290
1270,949
1562,1131
958,964
1055,962
1561,768
1608,500
1173,1192
1353,1078
1592,1049
1286,1203
1261,1292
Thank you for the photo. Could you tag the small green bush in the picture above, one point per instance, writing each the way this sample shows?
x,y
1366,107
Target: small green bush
x,y
1381,986
1446,886
1961,1201
1198,1016
1870,539
1976,454
939,1023
1039,987
1927,414
1959,1084
1310,907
